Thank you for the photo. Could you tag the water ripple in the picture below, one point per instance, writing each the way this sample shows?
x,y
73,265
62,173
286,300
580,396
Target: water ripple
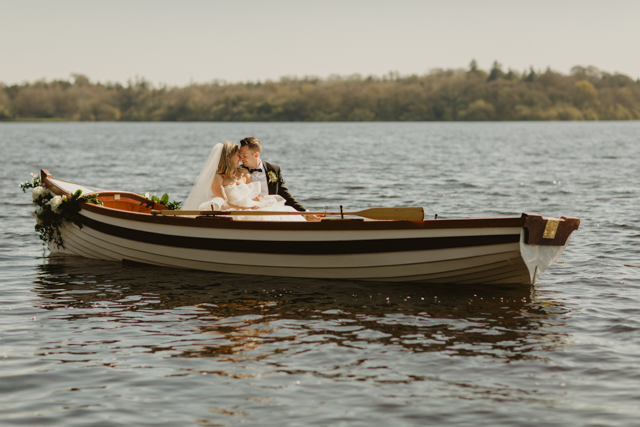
x,y
97,343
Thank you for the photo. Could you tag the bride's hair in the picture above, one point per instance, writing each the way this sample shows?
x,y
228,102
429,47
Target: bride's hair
x,y
226,166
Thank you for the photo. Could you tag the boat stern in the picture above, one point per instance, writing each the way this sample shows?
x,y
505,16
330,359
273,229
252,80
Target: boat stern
x,y
544,240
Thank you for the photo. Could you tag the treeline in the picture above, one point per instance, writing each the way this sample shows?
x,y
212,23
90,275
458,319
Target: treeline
x,y
441,95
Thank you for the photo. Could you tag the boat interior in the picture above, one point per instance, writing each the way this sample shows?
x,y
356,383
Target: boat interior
x,y
129,202
125,201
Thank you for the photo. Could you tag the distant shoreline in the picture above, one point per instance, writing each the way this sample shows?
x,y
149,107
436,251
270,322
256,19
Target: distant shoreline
x,y
441,95
62,120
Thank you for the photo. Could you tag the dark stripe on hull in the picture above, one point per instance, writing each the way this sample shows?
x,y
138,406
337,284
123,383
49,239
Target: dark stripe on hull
x,y
298,247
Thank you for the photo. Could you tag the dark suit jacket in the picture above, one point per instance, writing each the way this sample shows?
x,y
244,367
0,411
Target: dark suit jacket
x,y
275,183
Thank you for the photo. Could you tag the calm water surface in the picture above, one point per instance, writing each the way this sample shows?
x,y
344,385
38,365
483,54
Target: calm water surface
x,y
86,343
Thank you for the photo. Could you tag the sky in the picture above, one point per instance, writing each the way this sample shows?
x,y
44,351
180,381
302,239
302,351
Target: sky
x,y
198,41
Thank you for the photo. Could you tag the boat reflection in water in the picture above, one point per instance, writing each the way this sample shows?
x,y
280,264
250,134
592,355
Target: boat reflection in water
x,y
191,314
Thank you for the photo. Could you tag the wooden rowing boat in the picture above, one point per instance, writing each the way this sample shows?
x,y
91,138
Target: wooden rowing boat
x,y
129,227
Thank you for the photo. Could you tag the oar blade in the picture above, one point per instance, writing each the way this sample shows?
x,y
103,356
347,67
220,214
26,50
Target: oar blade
x,y
394,214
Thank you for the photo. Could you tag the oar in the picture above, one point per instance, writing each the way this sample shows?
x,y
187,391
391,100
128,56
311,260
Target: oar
x,y
395,214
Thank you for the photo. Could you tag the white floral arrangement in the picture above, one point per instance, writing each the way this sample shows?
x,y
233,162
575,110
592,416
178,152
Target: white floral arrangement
x,y
53,210
38,192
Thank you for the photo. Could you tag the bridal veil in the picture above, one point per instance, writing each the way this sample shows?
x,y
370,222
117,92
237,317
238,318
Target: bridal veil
x,y
201,190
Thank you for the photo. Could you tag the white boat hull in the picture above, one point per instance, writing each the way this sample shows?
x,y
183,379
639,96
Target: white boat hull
x,y
487,251
515,262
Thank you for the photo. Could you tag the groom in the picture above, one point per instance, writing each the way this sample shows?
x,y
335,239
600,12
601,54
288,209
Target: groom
x,y
267,174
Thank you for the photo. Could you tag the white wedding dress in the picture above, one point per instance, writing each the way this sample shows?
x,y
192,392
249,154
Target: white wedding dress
x,y
201,197
243,195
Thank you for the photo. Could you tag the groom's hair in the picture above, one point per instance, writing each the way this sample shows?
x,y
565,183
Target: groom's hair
x,y
253,144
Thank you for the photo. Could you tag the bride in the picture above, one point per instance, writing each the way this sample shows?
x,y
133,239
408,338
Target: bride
x,y
222,185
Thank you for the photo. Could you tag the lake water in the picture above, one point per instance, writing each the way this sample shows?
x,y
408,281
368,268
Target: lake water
x,y
86,343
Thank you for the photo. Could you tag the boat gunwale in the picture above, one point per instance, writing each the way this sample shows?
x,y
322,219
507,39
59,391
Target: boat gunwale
x,y
225,222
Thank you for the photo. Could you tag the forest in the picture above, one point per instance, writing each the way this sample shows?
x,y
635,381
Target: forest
x,y
471,94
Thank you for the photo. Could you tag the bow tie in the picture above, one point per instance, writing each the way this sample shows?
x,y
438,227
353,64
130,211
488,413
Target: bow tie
x,y
252,170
